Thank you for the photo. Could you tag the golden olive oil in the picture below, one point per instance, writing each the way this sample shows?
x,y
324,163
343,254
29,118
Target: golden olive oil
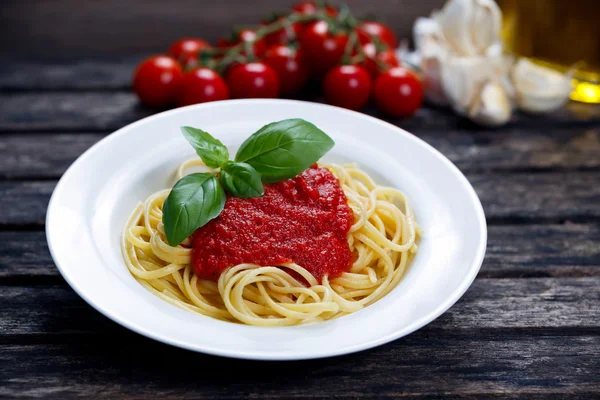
x,y
559,34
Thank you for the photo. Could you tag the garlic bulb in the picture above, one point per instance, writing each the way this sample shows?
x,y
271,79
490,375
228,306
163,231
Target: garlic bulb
x,y
453,46
459,52
539,89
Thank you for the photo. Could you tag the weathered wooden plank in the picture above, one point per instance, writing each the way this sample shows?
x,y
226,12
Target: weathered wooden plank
x,y
542,251
537,303
69,111
456,366
573,195
81,111
69,74
41,155
570,195
65,29
514,251
25,255
519,149
115,74
24,203
108,110
36,155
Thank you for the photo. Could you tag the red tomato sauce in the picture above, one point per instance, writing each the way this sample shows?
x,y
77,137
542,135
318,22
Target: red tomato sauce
x,y
304,220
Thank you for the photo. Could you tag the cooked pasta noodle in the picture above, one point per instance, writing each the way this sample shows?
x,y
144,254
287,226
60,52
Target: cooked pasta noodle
x,y
383,240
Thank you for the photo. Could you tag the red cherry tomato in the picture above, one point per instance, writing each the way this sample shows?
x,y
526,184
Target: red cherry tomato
x,y
398,92
323,49
347,86
186,50
310,7
381,31
290,65
252,80
246,35
157,81
373,58
202,85
288,33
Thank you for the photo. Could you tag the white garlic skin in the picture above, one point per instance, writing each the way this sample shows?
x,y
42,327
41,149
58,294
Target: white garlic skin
x,y
539,89
493,107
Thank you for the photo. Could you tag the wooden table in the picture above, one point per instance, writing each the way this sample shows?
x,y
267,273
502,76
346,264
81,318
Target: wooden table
x,y
528,327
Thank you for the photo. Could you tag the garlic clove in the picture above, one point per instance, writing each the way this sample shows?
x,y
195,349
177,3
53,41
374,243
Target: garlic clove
x,y
486,25
492,107
540,104
431,48
455,22
427,29
459,76
470,26
539,89
475,89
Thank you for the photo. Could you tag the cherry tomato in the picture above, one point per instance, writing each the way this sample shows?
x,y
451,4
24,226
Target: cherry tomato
x,y
373,58
398,92
246,35
290,65
381,31
202,85
323,49
186,50
288,33
310,7
347,86
252,80
157,81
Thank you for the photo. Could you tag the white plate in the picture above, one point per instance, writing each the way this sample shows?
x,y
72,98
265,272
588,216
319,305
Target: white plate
x,y
91,203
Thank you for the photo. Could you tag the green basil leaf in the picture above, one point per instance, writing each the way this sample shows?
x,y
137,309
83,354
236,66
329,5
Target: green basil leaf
x,y
211,150
241,180
282,150
194,200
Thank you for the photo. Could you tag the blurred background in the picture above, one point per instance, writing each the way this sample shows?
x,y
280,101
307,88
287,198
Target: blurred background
x,y
72,28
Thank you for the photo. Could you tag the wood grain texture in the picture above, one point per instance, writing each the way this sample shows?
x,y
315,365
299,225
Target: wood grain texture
x,y
68,74
552,196
69,111
63,28
514,251
111,110
537,303
115,73
423,364
555,197
40,155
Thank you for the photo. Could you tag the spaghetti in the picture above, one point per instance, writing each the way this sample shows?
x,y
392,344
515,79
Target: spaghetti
x,y
382,239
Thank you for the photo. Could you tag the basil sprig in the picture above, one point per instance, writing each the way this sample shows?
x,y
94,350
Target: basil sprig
x,y
278,151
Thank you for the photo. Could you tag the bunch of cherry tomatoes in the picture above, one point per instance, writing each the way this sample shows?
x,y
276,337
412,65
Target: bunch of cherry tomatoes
x,y
354,61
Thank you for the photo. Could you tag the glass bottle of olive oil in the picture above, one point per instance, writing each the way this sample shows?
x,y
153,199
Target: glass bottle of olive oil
x,y
559,34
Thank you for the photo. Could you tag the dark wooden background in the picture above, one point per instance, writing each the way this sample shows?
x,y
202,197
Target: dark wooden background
x,y
529,327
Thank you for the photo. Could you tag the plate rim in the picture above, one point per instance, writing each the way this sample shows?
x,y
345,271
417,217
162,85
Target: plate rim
x,y
448,302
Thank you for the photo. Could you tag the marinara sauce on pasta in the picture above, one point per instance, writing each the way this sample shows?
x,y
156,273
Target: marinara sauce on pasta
x,y
304,220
